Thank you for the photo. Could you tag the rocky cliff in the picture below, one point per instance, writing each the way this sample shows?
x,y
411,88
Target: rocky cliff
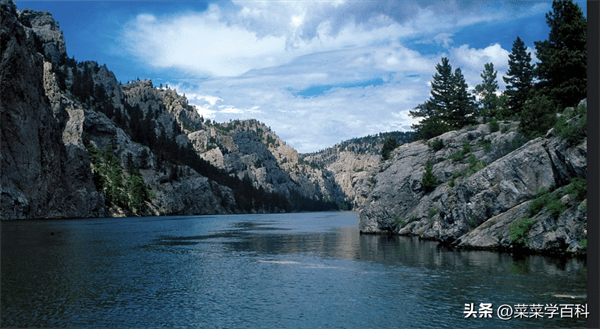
x,y
54,109
42,176
488,185
63,123
352,163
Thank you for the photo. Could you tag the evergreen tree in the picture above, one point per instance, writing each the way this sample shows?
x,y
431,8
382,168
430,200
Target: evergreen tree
x,y
562,72
139,193
462,111
538,115
388,146
520,78
431,125
487,92
429,181
449,107
434,109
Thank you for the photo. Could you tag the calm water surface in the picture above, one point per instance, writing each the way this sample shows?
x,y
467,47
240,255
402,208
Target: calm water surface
x,y
310,270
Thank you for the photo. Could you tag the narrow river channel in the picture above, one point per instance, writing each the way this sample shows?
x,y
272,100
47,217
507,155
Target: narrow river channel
x,y
303,270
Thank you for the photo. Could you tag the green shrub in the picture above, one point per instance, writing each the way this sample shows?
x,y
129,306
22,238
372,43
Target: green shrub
x,y
494,126
583,243
473,221
538,203
505,129
486,143
577,188
452,182
487,147
466,149
398,222
519,230
554,206
437,144
574,132
429,181
552,203
432,212
472,160
457,174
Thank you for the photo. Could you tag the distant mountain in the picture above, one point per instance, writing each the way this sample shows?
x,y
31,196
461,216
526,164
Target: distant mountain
x,y
77,143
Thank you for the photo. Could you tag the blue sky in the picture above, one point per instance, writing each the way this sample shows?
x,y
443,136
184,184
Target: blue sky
x,y
316,72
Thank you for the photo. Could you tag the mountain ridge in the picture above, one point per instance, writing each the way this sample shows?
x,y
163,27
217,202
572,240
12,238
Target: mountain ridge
x,y
155,134
77,143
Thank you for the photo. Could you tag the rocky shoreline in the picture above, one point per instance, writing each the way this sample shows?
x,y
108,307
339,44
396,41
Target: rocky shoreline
x,y
483,194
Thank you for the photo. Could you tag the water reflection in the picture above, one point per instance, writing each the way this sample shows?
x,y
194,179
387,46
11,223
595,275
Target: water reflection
x,y
287,270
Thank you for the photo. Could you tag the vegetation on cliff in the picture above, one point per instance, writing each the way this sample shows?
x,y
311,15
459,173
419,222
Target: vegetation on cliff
x,y
123,189
534,93
517,182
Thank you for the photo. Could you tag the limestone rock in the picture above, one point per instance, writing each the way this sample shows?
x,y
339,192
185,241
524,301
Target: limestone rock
x,y
47,30
40,178
563,234
194,196
475,208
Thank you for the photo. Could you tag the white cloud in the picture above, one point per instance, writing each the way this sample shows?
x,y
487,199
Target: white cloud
x,y
256,57
201,42
205,111
444,39
472,62
231,40
310,124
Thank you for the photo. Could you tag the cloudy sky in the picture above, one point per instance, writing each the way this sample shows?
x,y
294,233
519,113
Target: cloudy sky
x,y
316,72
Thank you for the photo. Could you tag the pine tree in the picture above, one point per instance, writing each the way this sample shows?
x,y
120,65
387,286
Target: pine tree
x,y
449,107
520,78
429,181
431,125
487,92
462,112
388,146
538,115
434,109
562,72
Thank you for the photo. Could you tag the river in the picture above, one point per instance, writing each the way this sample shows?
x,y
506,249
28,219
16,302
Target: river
x,y
301,270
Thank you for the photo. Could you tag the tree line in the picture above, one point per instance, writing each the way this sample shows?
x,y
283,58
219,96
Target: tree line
x,y
534,92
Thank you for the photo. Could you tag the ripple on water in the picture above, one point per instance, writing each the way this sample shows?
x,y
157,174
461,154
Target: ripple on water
x,y
260,271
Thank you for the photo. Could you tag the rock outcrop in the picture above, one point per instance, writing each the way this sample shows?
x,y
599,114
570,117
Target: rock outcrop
x,y
69,129
41,176
482,190
54,110
50,41
353,163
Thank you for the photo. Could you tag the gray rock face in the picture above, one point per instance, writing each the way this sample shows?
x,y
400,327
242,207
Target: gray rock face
x,y
47,30
193,196
352,173
249,149
475,209
562,234
40,178
168,107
